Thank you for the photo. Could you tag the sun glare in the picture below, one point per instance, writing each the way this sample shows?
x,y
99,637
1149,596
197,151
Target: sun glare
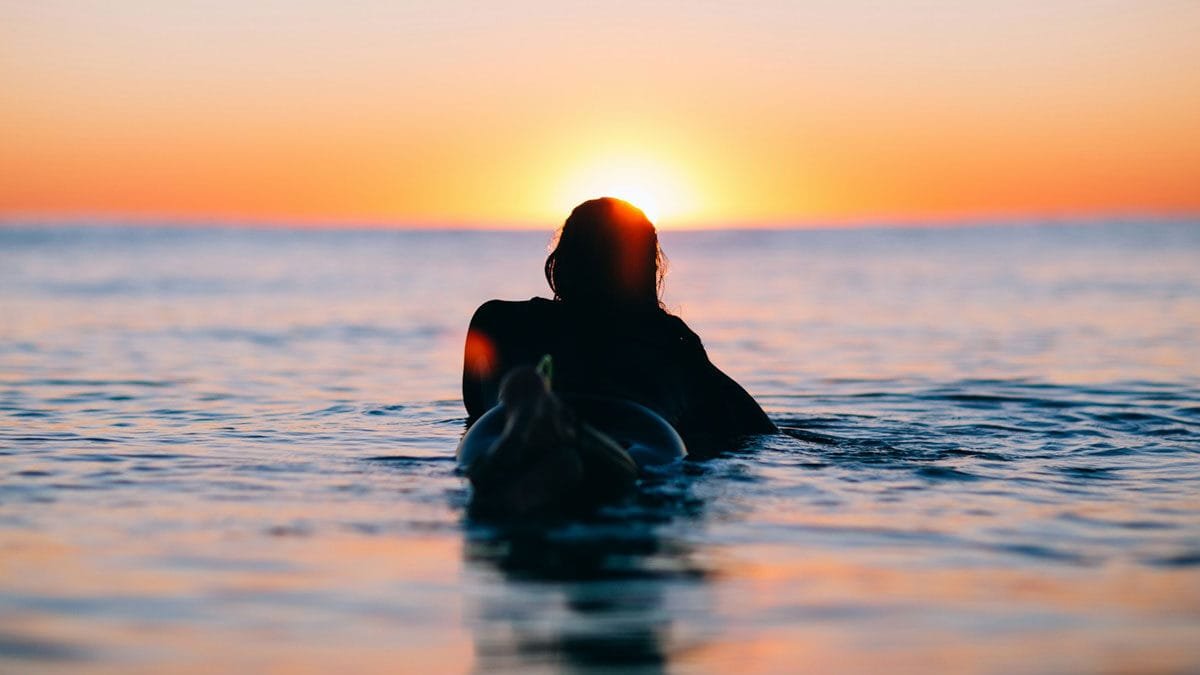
x,y
647,184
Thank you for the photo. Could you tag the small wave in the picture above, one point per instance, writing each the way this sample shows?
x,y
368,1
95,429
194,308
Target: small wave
x,y
88,457
76,382
410,459
42,438
167,412
337,409
997,400
1130,416
975,454
1107,450
1088,472
27,648
808,436
1123,524
946,473
1041,553
384,410
1185,559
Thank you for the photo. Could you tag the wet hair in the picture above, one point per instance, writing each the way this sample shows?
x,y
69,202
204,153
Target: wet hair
x,y
607,253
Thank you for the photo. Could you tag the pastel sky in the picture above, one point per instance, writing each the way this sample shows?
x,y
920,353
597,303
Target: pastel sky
x,y
705,113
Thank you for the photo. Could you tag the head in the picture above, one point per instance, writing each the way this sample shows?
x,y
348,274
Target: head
x,y
607,253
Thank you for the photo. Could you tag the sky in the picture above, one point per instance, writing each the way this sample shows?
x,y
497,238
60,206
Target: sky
x,y
703,113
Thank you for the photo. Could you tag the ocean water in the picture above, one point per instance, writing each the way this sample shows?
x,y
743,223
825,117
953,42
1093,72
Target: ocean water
x,y
231,450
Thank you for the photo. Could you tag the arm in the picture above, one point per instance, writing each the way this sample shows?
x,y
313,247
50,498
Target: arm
x,y
720,413
718,408
726,402
481,362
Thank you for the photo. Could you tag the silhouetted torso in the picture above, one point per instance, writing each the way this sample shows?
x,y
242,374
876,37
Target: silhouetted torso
x,y
649,357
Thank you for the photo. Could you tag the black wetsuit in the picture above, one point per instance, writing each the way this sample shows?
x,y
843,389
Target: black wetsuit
x,y
650,357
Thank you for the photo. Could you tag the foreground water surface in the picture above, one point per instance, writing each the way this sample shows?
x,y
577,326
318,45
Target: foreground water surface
x,y
232,450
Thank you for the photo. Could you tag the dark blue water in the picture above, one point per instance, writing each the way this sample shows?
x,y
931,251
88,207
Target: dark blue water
x,y
232,450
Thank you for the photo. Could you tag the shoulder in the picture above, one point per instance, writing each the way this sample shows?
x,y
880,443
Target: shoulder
x,y
494,311
682,333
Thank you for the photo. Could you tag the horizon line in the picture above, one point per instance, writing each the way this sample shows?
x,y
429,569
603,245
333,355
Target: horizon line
x,y
13,221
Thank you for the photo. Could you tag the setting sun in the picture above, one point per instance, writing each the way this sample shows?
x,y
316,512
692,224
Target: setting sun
x,y
658,189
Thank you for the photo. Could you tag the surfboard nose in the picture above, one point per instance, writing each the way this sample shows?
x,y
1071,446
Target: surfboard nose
x,y
521,385
536,451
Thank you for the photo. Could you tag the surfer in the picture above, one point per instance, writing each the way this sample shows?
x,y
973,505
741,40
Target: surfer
x,y
610,337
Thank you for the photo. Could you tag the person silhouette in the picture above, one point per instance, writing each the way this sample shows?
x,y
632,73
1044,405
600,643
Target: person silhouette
x,y
609,335
621,384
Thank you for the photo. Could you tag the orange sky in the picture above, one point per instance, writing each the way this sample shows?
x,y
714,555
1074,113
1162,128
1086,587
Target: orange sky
x,y
509,113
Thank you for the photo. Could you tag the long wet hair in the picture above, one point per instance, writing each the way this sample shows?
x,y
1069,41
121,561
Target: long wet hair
x,y
607,254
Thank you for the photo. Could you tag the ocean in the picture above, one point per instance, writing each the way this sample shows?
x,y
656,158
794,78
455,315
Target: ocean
x,y
231,450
